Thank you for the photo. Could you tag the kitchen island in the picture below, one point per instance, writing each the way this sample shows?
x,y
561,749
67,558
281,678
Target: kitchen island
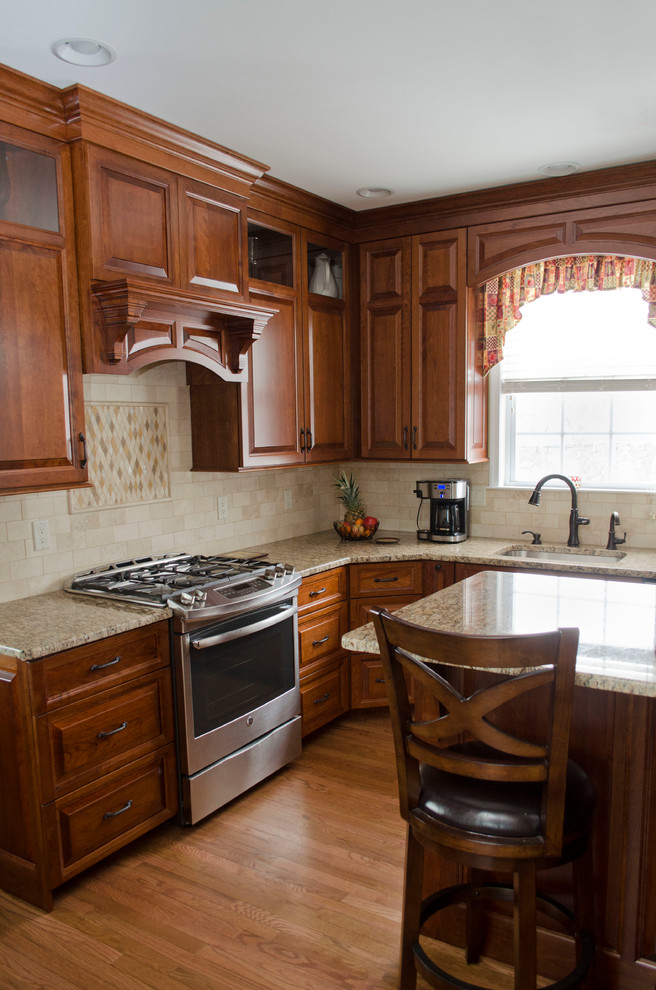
x,y
613,737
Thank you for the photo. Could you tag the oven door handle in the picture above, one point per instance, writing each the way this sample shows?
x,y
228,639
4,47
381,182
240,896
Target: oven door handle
x,y
285,613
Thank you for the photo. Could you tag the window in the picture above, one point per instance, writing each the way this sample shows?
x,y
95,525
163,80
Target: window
x,y
576,392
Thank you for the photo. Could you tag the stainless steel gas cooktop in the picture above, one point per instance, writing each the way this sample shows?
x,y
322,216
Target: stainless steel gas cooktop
x,y
188,584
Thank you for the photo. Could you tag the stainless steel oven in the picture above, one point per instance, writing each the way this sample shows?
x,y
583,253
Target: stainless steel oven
x,y
235,657
238,702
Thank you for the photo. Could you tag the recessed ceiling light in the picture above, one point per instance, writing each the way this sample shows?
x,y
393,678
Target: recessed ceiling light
x,y
83,51
559,168
373,192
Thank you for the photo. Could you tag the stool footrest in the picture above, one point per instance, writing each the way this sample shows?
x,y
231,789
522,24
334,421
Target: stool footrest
x,y
465,892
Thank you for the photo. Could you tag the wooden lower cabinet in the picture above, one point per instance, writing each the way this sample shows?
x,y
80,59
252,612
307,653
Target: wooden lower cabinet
x,y
390,584
87,757
324,671
324,694
332,681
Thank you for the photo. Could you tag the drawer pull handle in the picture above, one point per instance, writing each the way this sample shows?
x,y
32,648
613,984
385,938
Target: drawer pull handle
x,y
102,666
313,594
380,680
383,580
320,701
112,732
121,811
318,642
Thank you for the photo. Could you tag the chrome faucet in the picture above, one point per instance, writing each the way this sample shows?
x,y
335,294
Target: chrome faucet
x,y
613,540
575,520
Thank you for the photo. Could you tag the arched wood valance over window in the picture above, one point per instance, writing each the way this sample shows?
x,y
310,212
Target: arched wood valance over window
x,y
502,297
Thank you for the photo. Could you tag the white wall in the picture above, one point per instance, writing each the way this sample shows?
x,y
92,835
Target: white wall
x,y
188,520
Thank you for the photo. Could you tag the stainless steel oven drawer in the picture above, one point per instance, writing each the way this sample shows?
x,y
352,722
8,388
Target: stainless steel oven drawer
x,y
209,789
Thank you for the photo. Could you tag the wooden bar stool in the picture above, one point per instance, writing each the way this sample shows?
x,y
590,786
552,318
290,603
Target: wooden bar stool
x,y
484,798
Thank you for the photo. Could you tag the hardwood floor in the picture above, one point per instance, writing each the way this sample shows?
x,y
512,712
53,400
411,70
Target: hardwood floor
x,y
297,884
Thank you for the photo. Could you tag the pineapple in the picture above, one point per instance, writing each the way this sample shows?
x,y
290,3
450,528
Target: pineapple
x,y
350,497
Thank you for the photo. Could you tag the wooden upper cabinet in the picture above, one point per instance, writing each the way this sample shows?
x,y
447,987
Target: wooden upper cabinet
x,y
132,217
439,330
212,224
271,401
422,395
326,380
628,229
294,408
385,272
42,442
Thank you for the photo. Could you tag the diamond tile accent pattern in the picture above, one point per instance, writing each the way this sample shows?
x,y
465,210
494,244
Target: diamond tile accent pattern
x,y
128,452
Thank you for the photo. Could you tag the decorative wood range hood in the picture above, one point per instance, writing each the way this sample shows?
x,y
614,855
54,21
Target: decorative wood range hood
x,y
140,325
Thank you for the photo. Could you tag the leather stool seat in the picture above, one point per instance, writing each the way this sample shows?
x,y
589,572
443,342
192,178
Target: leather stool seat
x,y
503,809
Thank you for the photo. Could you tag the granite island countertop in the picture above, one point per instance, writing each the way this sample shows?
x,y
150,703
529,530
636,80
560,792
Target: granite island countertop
x,y
37,626
617,621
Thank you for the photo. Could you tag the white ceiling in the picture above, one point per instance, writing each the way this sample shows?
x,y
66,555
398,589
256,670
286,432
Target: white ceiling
x,y
426,97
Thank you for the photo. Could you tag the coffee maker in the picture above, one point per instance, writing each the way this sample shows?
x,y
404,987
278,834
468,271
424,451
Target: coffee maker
x,y
449,505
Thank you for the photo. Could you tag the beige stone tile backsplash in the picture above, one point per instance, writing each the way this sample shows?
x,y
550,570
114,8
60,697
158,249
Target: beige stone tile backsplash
x,y
188,519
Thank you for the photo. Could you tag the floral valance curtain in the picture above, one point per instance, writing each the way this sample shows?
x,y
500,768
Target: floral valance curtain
x,y
502,297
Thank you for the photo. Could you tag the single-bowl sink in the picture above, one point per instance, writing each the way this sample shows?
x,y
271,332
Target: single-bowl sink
x,y
562,555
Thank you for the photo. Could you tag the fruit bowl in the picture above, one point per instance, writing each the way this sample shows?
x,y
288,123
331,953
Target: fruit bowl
x,y
350,531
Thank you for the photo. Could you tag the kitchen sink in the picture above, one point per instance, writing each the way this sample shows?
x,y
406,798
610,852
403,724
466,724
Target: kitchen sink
x,y
563,555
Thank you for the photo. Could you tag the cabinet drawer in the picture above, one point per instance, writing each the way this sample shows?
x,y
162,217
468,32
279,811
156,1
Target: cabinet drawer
x,y
321,633
324,695
82,672
81,742
323,589
359,607
102,817
399,578
368,682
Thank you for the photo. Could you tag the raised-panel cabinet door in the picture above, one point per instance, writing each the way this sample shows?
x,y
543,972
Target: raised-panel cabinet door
x,y
271,404
439,351
385,349
42,433
327,380
212,240
132,217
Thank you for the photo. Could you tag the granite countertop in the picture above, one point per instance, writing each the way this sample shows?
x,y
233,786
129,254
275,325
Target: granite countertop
x,y
319,551
35,627
617,621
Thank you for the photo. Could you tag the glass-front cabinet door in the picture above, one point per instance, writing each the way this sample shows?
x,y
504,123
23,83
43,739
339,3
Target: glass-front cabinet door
x,y
42,442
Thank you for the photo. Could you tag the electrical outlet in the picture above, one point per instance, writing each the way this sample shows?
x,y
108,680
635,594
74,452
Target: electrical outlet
x,y
652,517
41,534
223,506
288,499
